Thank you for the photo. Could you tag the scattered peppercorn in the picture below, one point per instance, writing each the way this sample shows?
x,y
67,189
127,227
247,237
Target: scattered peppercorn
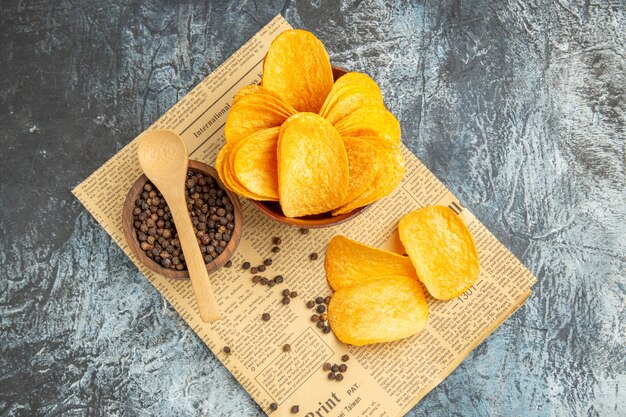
x,y
285,292
310,304
286,347
345,358
275,249
276,240
273,406
313,256
320,308
304,231
279,279
323,317
325,329
327,300
256,279
320,324
261,268
228,264
334,368
254,270
265,316
264,281
339,377
343,367
267,262
319,300
331,376
226,349
326,367
271,283
315,318
293,294
246,265
212,217
295,409
286,300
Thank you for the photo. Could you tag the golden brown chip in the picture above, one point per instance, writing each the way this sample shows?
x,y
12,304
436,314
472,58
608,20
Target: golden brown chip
x,y
312,166
254,109
350,92
224,170
255,164
363,163
442,250
389,176
370,121
391,308
349,263
297,68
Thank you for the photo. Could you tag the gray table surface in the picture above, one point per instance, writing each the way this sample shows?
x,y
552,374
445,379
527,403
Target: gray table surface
x,y
518,107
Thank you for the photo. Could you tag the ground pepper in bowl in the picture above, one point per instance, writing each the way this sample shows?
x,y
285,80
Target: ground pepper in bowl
x,y
212,216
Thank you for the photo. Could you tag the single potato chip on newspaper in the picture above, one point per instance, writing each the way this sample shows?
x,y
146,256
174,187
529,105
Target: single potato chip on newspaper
x,y
391,308
313,171
441,249
253,109
297,68
389,176
363,163
255,162
370,121
350,263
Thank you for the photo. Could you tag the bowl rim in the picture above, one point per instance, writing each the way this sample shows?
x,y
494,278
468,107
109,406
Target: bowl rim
x,y
133,243
315,221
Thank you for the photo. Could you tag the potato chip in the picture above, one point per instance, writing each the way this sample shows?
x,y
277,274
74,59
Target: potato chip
x,y
312,166
389,176
391,308
253,110
224,170
349,263
370,121
297,68
349,93
363,164
255,164
442,250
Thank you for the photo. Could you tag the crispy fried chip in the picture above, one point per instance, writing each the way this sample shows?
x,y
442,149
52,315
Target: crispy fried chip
x,y
224,170
389,176
349,93
363,163
254,108
391,308
370,121
349,263
255,164
442,250
312,166
297,68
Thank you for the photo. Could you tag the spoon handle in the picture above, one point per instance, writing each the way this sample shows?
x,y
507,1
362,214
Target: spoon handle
x,y
209,310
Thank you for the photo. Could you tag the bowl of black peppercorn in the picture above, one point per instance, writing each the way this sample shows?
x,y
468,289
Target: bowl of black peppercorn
x,y
151,234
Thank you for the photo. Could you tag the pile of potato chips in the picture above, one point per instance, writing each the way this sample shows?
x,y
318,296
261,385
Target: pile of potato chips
x,y
311,143
379,295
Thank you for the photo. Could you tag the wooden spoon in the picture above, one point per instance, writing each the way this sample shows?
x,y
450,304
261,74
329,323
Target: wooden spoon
x,y
163,158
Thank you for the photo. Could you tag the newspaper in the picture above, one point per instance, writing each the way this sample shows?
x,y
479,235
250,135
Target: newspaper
x,y
382,380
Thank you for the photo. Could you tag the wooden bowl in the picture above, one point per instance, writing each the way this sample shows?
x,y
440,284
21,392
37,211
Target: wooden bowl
x,y
133,242
273,210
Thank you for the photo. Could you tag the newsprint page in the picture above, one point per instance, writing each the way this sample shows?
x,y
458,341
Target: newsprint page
x,y
384,379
